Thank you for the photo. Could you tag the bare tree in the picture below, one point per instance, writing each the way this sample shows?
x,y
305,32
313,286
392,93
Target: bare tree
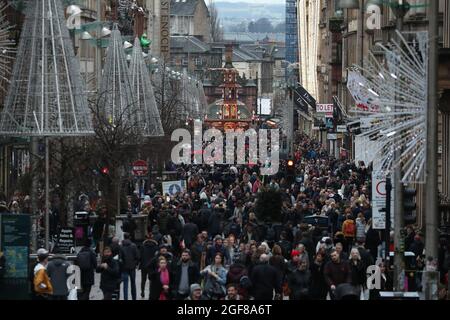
x,y
216,28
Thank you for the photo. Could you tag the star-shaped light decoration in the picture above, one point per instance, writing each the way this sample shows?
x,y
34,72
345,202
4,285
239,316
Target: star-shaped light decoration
x,y
391,100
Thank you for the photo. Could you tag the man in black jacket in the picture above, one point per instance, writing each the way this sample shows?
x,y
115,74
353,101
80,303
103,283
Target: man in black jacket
x,y
265,279
87,261
218,247
299,282
148,250
110,274
190,231
336,272
185,273
129,256
163,251
57,272
129,225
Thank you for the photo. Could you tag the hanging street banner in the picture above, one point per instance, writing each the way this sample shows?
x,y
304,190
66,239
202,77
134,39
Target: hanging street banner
x,y
300,103
165,29
14,246
306,96
173,187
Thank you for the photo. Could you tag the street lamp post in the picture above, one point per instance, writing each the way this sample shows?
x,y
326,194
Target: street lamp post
x,y
431,190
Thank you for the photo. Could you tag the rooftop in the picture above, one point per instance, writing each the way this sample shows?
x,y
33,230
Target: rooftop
x,y
183,7
253,37
189,44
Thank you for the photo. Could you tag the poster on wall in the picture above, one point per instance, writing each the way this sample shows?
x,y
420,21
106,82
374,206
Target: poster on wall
x,y
14,246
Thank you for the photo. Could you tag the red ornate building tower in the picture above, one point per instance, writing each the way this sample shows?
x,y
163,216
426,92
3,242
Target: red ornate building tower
x,y
229,113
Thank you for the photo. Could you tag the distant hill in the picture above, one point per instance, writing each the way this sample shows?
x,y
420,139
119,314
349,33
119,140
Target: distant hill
x,y
245,11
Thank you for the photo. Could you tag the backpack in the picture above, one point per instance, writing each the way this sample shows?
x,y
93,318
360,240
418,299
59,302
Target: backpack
x,y
350,228
271,234
245,282
84,260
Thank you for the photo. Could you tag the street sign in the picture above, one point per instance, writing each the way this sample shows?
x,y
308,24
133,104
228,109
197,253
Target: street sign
x,y
379,199
66,240
140,168
332,136
341,128
306,96
173,187
325,108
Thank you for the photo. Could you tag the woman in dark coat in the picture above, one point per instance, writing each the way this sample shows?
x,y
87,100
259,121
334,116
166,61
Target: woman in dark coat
x,y
299,282
161,281
277,260
386,283
358,270
110,274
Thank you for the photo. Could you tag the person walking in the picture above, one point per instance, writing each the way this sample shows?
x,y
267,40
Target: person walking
x,y
129,255
161,281
148,250
129,225
198,251
86,260
358,270
349,230
299,282
318,286
265,280
57,272
218,247
109,274
336,272
190,231
361,228
185,274
215,278
42,287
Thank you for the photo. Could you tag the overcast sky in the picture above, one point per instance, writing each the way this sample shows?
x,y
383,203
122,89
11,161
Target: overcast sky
x,y
254,1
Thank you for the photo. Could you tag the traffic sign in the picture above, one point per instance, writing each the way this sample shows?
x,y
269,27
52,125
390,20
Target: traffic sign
x,y
140,168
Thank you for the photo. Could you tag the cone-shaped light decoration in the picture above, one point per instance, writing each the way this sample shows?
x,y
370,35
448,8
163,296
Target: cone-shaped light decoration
x,y
149,119
46,95
7,50
116,100
194,97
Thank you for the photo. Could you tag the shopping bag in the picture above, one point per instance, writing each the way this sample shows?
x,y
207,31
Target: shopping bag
x,y
73,294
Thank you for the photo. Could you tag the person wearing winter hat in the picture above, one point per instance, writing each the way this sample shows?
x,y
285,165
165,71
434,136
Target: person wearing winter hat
x,y
294,262
196,292
218,247
41,282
